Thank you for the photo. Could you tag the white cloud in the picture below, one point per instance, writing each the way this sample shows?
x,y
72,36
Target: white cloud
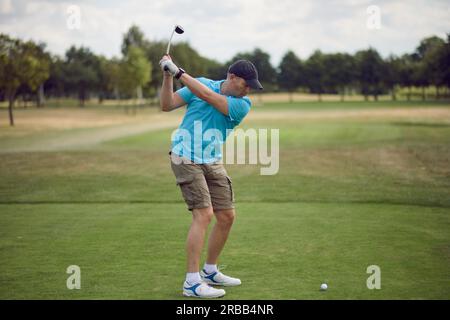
x,y
220,29
6,7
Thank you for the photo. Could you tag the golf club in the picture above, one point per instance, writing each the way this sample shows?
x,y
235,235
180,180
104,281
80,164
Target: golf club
x,y
178,29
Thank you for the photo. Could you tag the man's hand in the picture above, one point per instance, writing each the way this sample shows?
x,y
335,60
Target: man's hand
x,y
167,65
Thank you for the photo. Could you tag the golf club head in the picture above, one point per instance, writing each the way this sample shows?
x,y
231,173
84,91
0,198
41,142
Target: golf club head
x,y
179,29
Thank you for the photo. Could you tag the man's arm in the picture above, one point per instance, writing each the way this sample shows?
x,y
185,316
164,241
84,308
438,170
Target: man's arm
x,y
218,101
169,100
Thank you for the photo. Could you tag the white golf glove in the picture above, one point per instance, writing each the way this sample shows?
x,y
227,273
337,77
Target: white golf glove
x,y
168,66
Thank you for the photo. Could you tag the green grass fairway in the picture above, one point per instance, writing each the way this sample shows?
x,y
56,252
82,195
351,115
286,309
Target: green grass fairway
x,y
359,184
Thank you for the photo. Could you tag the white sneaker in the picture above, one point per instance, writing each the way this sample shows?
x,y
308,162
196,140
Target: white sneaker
x,y
219,279
201,290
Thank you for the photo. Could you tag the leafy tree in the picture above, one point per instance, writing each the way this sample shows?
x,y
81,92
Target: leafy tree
x,y
38,62
23,64
56,83
41,71
339,73
421,75
134,37
81,71
406,70
135,71
290,69
444,63
10,68
110,77
426,67
427,45
392,76
315,73
370,69
434,61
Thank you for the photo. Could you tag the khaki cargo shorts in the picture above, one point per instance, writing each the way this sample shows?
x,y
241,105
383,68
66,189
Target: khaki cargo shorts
x,y
203,185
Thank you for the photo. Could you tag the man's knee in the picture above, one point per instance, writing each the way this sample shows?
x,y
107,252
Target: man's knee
x,y
203,215
225,216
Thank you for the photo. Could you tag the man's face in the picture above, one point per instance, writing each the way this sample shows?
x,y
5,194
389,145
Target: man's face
x,y
239,86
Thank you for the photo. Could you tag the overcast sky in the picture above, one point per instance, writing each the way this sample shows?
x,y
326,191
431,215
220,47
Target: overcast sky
x,y
219,29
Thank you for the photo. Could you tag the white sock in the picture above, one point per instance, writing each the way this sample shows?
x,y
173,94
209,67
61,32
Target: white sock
x,y
210,268
193,277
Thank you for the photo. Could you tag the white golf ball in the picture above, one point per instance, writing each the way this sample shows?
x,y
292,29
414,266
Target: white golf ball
x,y
323,287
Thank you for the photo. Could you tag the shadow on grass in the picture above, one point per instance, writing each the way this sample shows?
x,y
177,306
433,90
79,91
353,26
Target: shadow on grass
x,y
357,202
422,124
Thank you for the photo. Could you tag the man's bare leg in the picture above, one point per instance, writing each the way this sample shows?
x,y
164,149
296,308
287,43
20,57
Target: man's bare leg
x,y
219,234
217,239
196,237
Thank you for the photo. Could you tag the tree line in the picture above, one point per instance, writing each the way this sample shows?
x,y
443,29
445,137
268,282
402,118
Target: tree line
x,y
367,73
28,70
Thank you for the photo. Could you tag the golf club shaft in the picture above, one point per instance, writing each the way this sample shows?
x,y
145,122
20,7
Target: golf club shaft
x,y
170,40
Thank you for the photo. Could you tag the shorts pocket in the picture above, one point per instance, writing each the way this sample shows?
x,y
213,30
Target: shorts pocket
x,y
230,183
185,179
187,185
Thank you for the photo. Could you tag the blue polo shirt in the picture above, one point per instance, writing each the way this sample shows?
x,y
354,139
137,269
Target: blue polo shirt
x,y
204,129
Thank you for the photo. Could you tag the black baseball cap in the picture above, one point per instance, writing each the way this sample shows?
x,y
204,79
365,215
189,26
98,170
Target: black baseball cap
x,y
247,71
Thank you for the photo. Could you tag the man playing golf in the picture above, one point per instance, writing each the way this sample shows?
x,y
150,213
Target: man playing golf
x,y
214,108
